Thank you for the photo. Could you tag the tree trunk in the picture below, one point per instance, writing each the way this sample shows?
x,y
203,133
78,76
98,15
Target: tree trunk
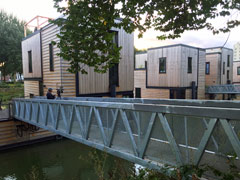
x,y
4,74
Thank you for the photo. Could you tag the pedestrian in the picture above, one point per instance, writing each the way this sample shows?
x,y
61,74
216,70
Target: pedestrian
x,y
49,94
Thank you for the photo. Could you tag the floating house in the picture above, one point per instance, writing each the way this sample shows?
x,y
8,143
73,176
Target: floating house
x,y
219,73
171,72
236,72
43,69
219,66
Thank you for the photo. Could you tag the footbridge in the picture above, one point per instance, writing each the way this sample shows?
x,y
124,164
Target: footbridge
x,y
148,132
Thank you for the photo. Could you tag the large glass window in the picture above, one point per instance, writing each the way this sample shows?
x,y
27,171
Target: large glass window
x,y
162,65
51,57
189,64
30,61
207,68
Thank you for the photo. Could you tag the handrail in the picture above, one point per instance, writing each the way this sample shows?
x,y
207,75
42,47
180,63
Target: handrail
x,y
216,112
181,102
223,89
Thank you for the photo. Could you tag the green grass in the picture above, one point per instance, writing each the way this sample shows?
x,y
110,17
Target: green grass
x,y
10,90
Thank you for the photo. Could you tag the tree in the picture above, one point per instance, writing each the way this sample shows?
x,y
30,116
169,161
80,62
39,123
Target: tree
x,y
11,34
85,38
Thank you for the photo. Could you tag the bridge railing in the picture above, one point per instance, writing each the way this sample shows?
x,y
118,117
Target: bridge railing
x,y
147,132
223,89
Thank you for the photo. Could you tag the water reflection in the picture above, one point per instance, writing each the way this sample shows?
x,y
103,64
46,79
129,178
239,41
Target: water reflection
x,y
57,160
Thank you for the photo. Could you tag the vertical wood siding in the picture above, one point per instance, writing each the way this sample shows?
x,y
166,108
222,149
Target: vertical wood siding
x,y
213,78
201,75
173,61
140,60
225,53
185,77
217,60
177,66
99,83
236,77
88,84
32,44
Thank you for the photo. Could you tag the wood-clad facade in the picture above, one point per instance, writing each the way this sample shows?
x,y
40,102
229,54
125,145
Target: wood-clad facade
x,y
140,59
176,71
236,72
16,132
52,70
32,65
219,66
95,84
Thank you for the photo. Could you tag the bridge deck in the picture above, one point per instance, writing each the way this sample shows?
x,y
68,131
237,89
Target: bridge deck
x,y
144,131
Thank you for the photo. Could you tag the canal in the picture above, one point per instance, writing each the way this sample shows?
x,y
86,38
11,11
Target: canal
x,y
55,160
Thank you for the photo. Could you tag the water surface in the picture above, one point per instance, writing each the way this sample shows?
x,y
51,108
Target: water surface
x,y
54,160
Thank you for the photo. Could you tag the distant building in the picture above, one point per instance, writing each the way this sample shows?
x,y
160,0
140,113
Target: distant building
x,y
171,72
236,52
219,66
140,59
236,63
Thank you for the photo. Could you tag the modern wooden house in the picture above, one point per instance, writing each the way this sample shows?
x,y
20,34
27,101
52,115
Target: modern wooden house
x,y
219,66
43,69
172,72
236,72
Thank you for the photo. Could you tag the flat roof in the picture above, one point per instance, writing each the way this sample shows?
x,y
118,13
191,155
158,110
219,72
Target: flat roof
x,y
217,47
141,52
30,35
174,45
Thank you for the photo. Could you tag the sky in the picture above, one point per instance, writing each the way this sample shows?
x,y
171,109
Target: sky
x,y
27,9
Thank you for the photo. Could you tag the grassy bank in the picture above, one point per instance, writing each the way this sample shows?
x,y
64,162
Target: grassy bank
x,y
10,90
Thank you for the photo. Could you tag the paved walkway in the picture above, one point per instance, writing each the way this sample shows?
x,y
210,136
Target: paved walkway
x,y
4,114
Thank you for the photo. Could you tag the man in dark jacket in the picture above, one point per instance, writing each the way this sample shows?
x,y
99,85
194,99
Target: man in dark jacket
x,y
49,94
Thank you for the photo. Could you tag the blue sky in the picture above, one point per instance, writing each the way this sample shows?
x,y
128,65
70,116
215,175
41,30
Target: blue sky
x,y
27,9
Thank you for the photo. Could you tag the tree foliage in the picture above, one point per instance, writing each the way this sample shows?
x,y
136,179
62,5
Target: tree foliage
x,y
85,37
11,34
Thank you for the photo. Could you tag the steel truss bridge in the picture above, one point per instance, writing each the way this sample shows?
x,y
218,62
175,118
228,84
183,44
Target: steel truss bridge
x,y
148,132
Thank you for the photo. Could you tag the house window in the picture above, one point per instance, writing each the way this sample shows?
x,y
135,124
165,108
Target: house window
x,y
189,64
238,70
207,68
227,74
137,92
114,70
223,67
30,61
228,61
162,65
51,57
